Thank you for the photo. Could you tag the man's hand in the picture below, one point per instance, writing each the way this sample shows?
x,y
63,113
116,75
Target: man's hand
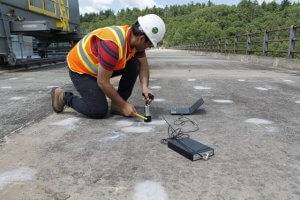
x,y
128,110
148,96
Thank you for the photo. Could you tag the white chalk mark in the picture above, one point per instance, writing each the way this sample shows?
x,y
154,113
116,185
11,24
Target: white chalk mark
x,y
137,129
241,80
124,123
287,81
152,79
51,86
113,137
7,140
258,121
12,79
272,129
201,88
17,175
222,101
159,100
28,79
149,190
261,88
156,122
69,123
17,98
297,101
191,79
156,87
6,87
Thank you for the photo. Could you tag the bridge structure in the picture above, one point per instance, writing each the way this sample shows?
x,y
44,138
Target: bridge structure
x,y
250,116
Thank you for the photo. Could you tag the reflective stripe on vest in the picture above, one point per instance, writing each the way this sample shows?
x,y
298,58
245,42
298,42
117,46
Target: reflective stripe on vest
x,y
82,59
85,57
120,35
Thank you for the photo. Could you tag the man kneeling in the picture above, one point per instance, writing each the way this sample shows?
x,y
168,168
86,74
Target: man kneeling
x,y
105,53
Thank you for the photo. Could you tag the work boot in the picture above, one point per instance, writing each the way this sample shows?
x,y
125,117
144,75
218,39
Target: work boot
x,y
57,95
115,110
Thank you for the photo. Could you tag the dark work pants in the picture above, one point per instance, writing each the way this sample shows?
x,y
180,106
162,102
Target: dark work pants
x,y
93,102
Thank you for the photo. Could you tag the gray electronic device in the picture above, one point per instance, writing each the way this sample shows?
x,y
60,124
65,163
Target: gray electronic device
x,y
187,110
190,148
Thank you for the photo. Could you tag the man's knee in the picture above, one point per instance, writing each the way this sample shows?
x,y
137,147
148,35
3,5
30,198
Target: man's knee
x,y
98,112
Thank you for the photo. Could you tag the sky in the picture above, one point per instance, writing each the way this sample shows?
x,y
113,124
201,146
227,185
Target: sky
x,y
87,6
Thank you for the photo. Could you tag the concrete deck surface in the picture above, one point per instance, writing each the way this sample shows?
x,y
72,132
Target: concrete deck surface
x,y
251,117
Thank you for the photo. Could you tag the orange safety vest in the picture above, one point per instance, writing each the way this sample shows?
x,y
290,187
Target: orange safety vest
x,y
81,58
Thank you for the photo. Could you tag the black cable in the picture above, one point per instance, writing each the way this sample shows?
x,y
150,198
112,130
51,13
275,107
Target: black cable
x,y
177,133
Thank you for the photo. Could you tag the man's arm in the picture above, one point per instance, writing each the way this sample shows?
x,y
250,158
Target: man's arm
x,y
107,53
144,78
144,72
103,81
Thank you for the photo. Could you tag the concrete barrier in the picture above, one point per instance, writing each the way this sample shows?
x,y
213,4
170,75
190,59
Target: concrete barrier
x,y
270,62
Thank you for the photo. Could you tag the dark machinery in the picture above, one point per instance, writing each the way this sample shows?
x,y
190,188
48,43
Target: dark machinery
x,y
29,27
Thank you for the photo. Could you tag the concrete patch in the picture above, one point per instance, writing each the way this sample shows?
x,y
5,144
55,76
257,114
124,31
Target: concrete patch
x,y
69,123
222,101
28,79
11,79
123,123
258,121
16,98
191,79
137,129
241,80
201,88
16,175
297,101
261,88
6,87
155,87
159,100
149,190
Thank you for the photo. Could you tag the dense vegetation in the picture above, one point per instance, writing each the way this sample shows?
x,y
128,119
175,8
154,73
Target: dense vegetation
x,y
197,21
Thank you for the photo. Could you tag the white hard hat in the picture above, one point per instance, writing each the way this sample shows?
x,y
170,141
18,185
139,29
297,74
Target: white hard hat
x,y
154,27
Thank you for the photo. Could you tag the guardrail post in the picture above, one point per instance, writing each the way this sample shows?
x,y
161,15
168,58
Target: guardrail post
x,y
235,43
266,43
248,44
209,45
292,42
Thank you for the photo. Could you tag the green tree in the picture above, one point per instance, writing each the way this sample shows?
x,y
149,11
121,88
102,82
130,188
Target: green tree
x,y
195,22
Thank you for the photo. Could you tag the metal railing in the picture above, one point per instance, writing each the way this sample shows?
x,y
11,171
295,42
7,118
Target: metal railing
x,y
277,42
